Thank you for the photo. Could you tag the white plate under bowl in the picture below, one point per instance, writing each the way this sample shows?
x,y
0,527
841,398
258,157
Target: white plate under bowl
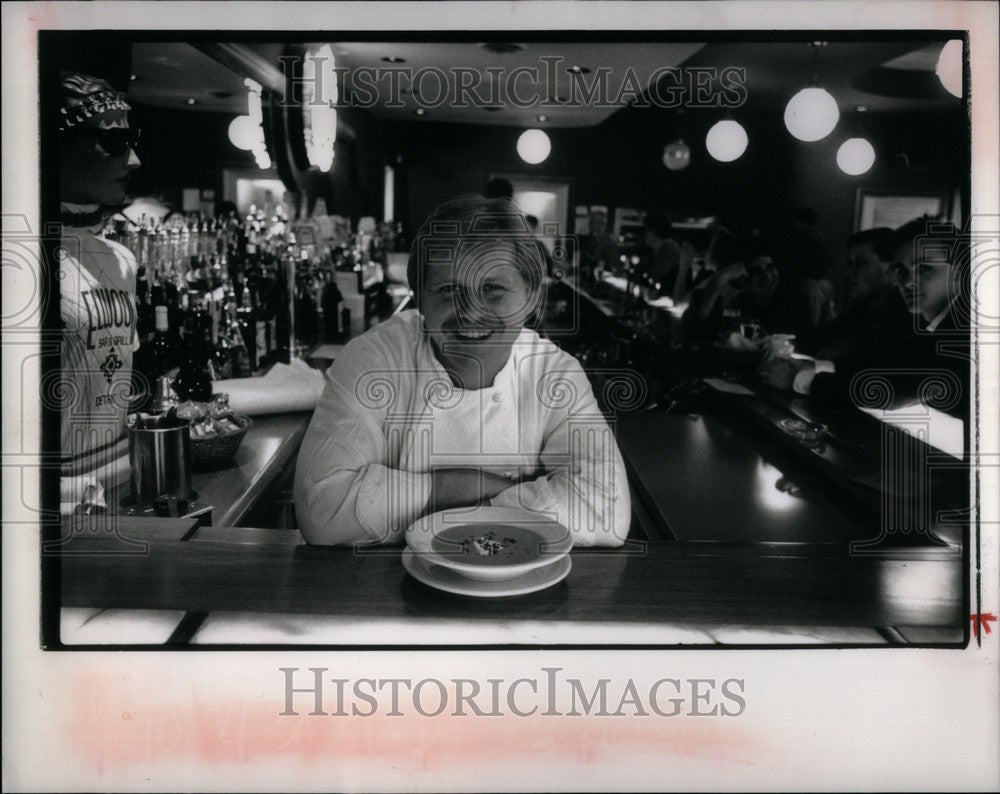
x,y
556,540
440,578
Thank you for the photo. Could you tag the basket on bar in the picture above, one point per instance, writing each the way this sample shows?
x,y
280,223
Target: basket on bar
x,y
215,452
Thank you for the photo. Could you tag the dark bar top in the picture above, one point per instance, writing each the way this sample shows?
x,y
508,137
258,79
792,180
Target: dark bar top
x,y
707,478
730,473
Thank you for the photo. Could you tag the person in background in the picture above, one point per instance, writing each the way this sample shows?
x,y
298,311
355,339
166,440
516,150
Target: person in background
x,y
598,249
693,268
97,284
807,264
745,287
498,187
226,209
457,403
928,280
543,249
665,253
875,309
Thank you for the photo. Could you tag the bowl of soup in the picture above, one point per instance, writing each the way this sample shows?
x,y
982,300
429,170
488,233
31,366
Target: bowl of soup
x,y
489,543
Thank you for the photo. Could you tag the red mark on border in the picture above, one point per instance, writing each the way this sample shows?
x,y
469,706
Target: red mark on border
x,y
982,619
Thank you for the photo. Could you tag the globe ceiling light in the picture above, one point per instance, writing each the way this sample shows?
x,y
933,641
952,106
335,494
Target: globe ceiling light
x,y
811,114
855,156
243,133
726,140
949,67
533,146
677,155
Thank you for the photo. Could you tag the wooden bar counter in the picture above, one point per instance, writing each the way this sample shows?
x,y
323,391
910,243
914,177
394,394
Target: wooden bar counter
x,y
251,585
738,539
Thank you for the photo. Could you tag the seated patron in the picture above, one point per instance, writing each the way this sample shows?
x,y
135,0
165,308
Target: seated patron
x,y
694,267
875,309
934,348
664,252
598,249
543,251
457,403
745,288
806,264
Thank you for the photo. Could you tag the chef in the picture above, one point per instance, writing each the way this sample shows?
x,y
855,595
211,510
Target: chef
x,y
457,403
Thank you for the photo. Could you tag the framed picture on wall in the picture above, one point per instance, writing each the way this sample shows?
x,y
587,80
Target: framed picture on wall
x,y
877,208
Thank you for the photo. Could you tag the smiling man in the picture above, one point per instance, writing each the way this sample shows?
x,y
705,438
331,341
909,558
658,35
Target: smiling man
x,y
96,284
458,403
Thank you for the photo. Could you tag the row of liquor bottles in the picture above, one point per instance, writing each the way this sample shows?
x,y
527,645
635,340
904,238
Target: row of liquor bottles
x,y
251,296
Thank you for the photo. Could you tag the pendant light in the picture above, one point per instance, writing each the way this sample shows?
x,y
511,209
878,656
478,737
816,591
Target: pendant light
x,y
533,146
726,140
812,113
677,154
856,155
949,67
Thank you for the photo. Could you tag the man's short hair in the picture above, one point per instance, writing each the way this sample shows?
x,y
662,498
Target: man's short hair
x,y
806,216
659,224
725,248
909,232
880,240
498,187
482,218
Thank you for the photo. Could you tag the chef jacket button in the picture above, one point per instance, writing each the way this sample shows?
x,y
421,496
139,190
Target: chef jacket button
x,y
497,398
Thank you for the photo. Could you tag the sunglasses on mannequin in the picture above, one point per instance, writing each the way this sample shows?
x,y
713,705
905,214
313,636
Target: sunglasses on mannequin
x,y
115,141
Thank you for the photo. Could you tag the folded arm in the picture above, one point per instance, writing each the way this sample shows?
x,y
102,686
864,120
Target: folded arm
x,y
346,487
583,486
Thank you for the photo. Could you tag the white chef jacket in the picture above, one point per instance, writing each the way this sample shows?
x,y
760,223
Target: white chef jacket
x,y
389,415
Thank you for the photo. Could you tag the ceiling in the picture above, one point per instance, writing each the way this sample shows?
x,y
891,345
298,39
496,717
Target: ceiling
x,y
776,70
883,76
167,74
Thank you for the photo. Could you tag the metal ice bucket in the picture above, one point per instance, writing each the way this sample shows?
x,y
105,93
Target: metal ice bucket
x,y
160,458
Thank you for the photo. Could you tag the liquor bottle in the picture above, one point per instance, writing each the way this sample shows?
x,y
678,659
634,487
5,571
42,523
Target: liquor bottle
x,y
142,384
284,326
161,349
222,353
194,380
267,331
246,319
345,324
305,310
239,355
332,299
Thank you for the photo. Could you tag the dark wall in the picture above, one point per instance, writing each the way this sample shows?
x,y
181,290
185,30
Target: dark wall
x,y
183,149
915,153
354,185
439,161
187,149
618,163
